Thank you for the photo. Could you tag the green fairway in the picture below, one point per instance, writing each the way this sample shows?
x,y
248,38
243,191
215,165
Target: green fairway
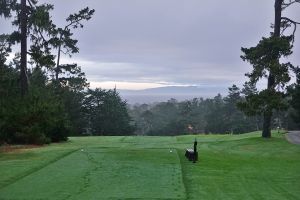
x,y
230,167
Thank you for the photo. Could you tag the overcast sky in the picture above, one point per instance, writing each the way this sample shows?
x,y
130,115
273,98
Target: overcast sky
x,y
149,43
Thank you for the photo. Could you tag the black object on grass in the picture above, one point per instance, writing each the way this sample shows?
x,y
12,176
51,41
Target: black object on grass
x,y
192,154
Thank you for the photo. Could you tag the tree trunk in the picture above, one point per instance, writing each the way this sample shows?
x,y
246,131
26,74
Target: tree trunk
x,y
58,59
267,125
23,67
57,63
278,9
266,133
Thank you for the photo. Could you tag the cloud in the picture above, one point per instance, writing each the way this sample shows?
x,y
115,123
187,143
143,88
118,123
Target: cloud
x,y
177,42
124,85
171,73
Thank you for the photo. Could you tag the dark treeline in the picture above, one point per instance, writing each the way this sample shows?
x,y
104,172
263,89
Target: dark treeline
x,y
52,112
213,115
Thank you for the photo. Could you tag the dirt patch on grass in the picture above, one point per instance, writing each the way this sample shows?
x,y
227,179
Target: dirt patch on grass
x,y
6,148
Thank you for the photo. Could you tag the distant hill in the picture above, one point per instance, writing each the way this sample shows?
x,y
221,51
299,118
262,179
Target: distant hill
x,y
180,93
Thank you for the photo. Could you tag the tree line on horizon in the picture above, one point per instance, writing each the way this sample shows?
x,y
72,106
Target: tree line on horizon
x,y
218,115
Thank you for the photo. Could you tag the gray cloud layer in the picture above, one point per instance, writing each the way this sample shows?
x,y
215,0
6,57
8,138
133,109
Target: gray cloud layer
x,y
185,42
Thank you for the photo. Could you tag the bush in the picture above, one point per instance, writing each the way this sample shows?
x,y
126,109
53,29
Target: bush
x,y
36,118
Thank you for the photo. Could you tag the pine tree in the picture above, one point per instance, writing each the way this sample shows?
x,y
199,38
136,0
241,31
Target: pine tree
x,y
265,58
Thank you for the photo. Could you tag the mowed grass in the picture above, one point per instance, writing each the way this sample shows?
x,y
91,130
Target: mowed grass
x,y
230,167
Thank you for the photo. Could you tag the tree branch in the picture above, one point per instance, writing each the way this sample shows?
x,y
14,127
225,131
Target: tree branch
x,y
285,27
37,28
288,19
30,3
291,22
74,22
285,5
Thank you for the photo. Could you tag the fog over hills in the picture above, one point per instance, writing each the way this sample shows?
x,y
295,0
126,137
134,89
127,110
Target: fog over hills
x,y
180,93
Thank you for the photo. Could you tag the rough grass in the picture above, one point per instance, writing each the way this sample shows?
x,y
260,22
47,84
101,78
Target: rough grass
x,y
230,167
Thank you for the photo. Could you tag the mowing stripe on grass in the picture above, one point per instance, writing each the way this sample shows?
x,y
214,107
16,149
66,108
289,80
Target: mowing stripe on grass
x,y
105,173
182,178
35,169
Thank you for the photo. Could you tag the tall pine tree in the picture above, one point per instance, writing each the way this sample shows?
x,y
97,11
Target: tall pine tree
x,y
265,59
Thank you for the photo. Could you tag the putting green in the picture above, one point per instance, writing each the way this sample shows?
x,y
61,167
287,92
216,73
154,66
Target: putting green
x,y
104,173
